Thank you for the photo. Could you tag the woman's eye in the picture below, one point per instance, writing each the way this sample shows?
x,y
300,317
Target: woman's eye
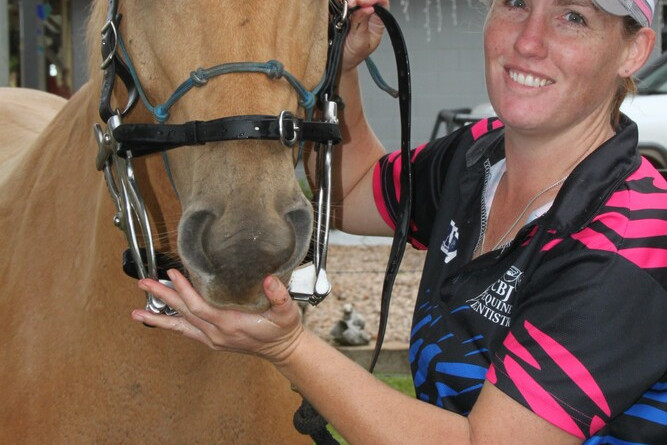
x,y
515,3
575,17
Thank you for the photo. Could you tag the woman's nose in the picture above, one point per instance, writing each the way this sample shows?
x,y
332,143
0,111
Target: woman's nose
x,y
532,38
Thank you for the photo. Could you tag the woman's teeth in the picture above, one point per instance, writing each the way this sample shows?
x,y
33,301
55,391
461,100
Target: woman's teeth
x,y
529,80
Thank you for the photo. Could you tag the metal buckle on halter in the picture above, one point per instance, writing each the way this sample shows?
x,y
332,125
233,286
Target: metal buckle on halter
x,y
343,16
104,150
109,58
287,116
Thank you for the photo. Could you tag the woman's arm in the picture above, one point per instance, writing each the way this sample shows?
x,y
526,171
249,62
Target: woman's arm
x,y
363,409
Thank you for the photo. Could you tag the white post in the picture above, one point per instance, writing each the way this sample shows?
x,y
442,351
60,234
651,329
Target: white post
x,y
32,46
4,43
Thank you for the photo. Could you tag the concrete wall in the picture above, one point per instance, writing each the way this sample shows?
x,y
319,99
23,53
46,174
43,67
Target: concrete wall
x,y
447,67
4,44
79,16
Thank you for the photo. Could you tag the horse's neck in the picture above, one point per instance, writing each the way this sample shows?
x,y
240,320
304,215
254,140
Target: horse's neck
x,y
58,201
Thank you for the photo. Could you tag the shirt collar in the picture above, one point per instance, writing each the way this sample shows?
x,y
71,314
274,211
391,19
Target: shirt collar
x,y
589,185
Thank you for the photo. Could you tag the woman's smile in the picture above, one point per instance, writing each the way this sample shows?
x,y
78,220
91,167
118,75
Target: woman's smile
x,y
527,79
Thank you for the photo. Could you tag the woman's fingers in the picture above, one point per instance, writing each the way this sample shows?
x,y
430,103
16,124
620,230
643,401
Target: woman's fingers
x,y
194,303
185,300
276,292
282,311
364,34
176,324
268,334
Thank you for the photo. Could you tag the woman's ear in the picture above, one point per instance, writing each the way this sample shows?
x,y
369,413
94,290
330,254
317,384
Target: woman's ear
x,y
638,51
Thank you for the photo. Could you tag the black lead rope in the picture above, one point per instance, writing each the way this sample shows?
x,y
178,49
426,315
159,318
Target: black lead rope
x,y
405,204
307,420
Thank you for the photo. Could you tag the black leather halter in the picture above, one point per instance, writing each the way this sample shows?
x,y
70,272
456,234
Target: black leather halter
x,y
143,139
132,140
119,143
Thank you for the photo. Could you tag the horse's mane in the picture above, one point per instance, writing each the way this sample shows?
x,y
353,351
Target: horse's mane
x,y
96,18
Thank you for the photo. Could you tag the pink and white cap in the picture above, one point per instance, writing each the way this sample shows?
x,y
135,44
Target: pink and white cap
x,y
640,10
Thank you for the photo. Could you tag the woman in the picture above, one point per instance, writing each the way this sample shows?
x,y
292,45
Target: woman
x,y
546,248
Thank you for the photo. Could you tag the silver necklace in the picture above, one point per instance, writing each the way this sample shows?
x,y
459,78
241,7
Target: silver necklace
x,y
525,209
523,212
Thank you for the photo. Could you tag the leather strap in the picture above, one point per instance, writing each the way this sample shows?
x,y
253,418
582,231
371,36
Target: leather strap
x,y
338,29
319,433
114,66
143,139
405,205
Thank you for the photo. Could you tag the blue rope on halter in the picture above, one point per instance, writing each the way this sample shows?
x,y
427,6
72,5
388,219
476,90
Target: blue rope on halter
x,y
273,69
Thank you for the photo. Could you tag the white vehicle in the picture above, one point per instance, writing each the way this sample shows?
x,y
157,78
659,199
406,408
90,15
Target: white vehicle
x,y
648,108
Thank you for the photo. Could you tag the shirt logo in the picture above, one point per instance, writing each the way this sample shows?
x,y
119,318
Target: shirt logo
x,y
451,242
494,303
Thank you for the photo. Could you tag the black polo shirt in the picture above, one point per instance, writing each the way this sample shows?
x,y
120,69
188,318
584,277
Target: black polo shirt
x,y
569,319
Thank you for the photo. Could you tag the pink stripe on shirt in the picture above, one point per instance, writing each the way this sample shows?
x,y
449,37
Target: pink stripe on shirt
x,y
633,200
646,169
571,366
396,168
594,240
540,401
634,229
513,345
644,257
551,244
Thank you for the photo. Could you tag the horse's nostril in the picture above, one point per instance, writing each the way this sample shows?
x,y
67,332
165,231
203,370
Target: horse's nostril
x,y
301,220
193,233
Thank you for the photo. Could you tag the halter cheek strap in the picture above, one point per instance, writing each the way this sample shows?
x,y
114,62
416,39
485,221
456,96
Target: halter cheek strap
x,y
307,420
112,66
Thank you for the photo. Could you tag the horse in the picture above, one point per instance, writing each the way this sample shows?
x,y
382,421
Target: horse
x,y
75,368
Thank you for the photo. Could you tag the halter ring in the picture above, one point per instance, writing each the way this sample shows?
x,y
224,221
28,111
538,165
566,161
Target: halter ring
x,y
281,129
105,28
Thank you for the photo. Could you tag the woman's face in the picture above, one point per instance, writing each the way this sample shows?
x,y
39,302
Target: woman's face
x,y
551,64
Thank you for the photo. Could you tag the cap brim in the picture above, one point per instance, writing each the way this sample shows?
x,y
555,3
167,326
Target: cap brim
x,y
615,7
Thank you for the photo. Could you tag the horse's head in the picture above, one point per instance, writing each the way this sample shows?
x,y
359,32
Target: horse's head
x,y
243,213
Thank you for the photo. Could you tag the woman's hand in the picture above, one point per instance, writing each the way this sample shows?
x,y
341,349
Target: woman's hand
x,y
272,334
365,32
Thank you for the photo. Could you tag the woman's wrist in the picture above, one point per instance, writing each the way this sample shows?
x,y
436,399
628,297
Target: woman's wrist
x,y
299,354
282,356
